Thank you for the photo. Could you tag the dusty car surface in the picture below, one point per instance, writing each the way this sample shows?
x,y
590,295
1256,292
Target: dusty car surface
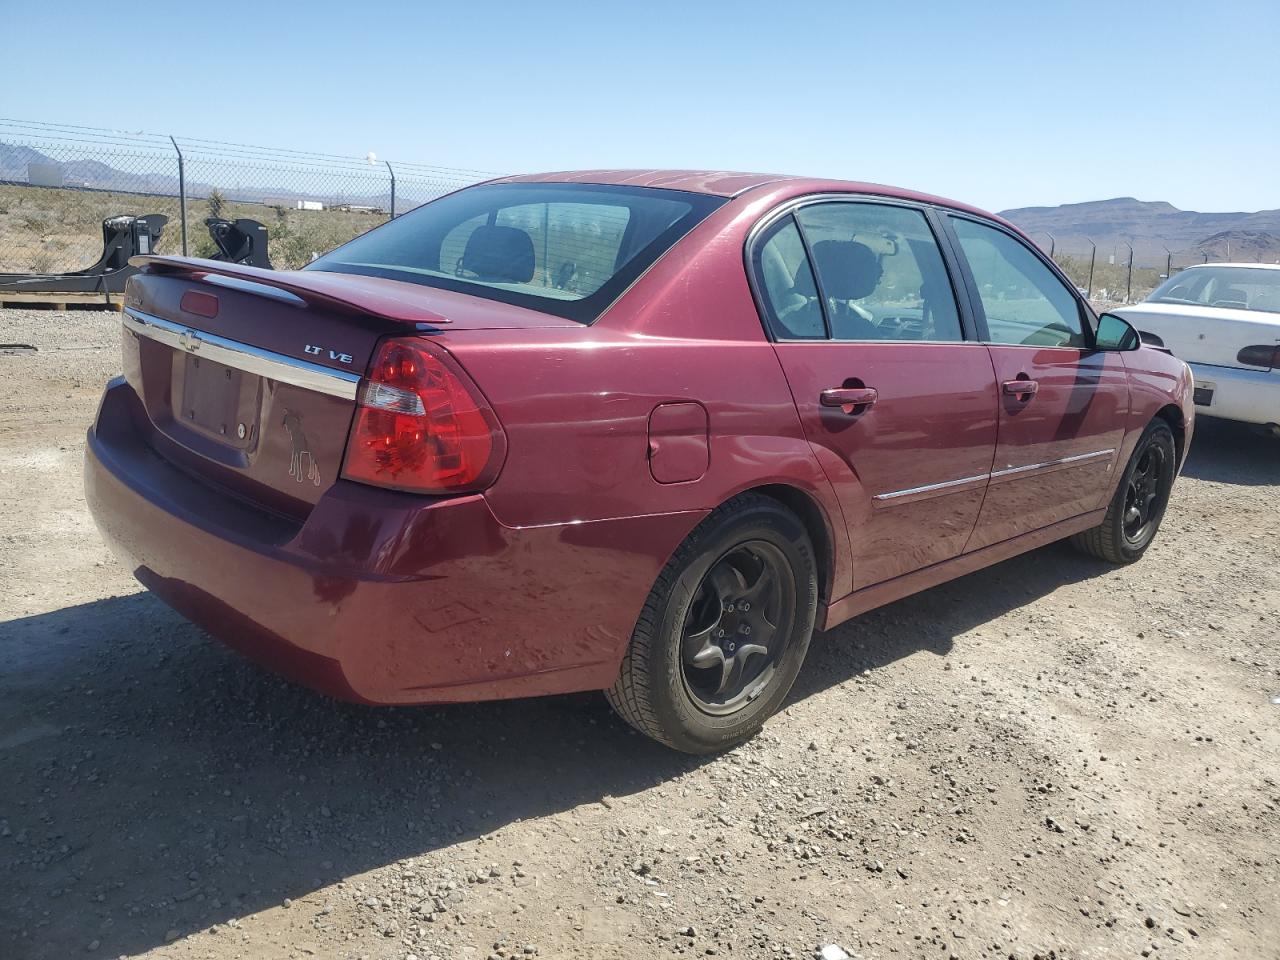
x,y
638,432
1224,320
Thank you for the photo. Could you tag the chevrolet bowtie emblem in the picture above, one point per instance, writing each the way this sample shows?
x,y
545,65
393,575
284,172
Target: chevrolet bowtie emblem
x,y
190,340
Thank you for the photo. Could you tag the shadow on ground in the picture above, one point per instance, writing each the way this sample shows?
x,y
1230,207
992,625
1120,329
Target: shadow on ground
x,y
152,783
1226,452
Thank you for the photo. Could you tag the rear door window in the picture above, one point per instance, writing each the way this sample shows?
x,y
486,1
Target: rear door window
x,y
880,272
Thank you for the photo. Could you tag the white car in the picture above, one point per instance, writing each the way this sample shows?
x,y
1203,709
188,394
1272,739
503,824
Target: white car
x,y
1223,319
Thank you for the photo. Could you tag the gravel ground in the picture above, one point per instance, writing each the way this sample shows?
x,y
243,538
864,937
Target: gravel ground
x,y
1051,758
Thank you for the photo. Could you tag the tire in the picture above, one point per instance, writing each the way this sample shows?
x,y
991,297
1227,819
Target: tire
x,y
666,688
1120,537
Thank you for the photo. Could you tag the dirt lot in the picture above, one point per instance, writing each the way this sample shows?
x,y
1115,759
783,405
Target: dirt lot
x,y
1050,758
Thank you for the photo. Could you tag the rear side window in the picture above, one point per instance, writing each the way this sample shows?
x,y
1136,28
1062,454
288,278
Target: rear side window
x,y
563,248
881,272
879,275
1024,301
786,280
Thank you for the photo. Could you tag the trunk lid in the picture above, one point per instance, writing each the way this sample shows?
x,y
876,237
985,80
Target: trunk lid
x,y
248,378
1209,335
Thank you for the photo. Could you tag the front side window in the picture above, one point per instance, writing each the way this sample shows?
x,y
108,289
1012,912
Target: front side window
x,y
1024,301
1238,288
880,272
563,248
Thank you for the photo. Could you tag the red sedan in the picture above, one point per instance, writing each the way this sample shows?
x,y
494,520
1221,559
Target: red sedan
x,y
639,432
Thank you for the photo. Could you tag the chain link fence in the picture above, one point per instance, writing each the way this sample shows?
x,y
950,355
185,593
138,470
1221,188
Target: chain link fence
x,y
59,182
1118,273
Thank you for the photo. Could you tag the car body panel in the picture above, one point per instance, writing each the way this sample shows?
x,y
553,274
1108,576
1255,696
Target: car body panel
x,y
1210,340
379,596
1212,335
1159,385
898,466
1058,447
1233,393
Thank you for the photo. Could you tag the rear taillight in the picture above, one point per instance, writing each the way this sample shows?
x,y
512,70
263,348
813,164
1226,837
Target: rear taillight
x,y
422,425
1262,355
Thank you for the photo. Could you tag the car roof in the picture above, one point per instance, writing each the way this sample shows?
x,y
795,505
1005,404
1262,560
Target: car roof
x,y
1250,266
727,183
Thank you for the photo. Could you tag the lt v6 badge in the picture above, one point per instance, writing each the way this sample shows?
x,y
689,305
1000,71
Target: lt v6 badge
x,y
333,354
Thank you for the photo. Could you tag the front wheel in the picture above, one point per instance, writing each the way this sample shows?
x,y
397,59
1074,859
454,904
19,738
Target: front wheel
x,y
724,631
1138,506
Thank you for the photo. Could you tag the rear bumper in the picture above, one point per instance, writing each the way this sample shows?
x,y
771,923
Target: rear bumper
x,y
1250,396
378,596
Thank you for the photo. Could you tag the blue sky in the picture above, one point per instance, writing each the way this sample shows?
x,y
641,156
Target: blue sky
x,y
1000,104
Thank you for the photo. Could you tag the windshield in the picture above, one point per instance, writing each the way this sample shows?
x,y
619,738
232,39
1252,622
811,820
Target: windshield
x,y
563,248
1241,288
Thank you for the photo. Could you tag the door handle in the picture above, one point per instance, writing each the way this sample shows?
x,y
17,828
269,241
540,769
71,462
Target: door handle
x,y
849,398
1026,389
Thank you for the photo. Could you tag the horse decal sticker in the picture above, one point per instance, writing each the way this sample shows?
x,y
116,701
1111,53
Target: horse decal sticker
x,y
302,464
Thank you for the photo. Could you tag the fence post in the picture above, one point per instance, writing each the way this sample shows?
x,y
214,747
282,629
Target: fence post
x,y
1128,283
182,192
393,188
1093,256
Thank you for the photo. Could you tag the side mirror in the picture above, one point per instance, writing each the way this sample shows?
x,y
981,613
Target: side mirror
x,y
1117,334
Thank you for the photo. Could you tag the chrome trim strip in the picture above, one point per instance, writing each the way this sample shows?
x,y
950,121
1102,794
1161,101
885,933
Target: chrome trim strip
x,y
1079,457
243,356
930,488
947,486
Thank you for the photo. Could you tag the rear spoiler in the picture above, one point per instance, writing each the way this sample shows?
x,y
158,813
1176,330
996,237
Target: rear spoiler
x,y
345,293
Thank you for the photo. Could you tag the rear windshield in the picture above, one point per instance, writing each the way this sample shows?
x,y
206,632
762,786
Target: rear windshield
x,y
563,248
1241,288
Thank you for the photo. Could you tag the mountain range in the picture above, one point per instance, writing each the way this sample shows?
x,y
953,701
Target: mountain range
x,y
1151,226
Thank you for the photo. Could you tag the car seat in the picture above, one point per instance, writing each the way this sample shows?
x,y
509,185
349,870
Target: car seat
x,y
850,271
498,254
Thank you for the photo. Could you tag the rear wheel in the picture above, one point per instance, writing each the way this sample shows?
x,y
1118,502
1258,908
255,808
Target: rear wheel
x,y
724,630
1138,506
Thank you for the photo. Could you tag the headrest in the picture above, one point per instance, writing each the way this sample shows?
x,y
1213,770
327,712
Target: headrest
x,y
849,270
504,254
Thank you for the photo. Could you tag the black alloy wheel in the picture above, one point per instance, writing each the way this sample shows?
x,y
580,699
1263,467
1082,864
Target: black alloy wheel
x,y
1143,504
724,630
1137,506
738,627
